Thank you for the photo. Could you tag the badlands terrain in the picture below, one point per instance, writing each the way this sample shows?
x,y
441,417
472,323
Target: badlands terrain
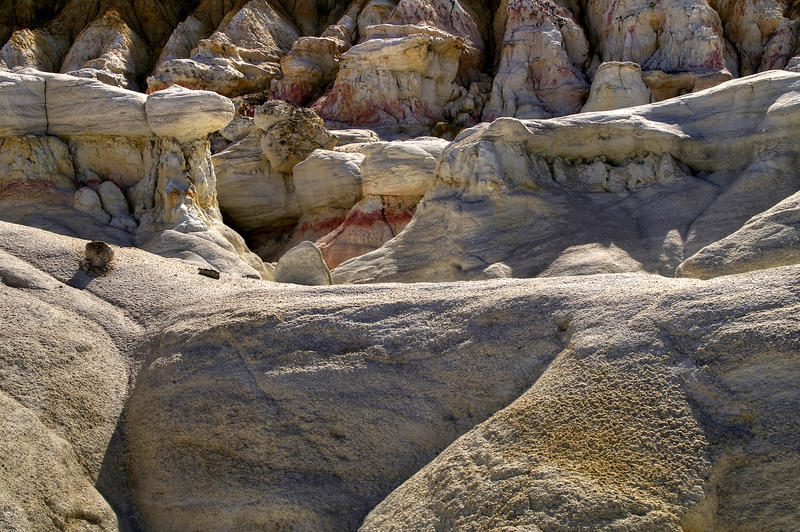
x,y
434,265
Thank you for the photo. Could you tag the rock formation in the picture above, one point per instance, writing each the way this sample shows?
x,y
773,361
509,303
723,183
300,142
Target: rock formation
x,y
585,214
617,400
659,182
86,159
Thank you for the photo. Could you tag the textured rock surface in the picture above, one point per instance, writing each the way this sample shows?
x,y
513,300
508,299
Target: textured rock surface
x,y
539,62
185,114
615,86
619,400
241,56
400,168
303,264
328,179
22,105
768,240
586,180
136,394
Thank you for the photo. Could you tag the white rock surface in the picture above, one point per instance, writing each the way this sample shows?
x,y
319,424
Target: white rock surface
x,y
400,168
88,201
77,106
22,105
328,179
185,114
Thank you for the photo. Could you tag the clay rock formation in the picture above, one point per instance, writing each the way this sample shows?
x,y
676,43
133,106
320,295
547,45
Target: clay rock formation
x,y
659,181
622,357
616,86
138,167
242,55
630,399
539,63
395,175
255,183
403,65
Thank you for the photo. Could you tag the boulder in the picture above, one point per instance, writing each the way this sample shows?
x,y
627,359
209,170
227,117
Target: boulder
x,y
291,133
303,264
97,257
251,193
87,200
184,114
328,180
615,86
400,168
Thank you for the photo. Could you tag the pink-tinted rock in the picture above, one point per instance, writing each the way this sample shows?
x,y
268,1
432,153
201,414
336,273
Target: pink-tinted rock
x,y
406,79
371,223
539,61
763,38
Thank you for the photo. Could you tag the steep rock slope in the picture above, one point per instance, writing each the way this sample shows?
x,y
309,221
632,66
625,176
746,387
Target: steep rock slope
x,y
403,65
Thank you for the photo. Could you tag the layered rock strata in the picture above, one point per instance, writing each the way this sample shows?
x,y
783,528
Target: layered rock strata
x,y
86,159
659,182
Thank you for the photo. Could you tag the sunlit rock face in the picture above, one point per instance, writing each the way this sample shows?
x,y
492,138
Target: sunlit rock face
x,y
451,265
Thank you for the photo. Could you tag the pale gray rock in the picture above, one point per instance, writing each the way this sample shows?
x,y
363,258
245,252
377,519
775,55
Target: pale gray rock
x,y
88,201
617,85
113,200
22,105
303,264
354,136
184,114
77,106
401,168
328,179
768,240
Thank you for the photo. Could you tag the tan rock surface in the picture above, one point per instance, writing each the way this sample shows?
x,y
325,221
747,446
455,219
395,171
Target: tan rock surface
x,y
615,86
185,114
241,56
303,264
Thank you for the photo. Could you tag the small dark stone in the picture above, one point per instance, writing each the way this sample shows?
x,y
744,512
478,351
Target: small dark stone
x,y
208,272
98,257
